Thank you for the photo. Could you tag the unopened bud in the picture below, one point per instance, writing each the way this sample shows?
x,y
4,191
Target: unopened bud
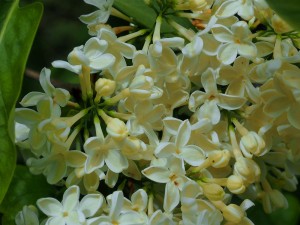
x,y
278,199
247,169
252,143
218,158
104,87
233,213
197,5
235,184
213,192
117,129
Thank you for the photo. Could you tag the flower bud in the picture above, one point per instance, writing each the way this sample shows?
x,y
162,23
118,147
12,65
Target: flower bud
x,y
247,169
213,192
233,213
141,87
235,184
197,5
273,200
104,87
117,129
252,143
131,147
278,199
218,158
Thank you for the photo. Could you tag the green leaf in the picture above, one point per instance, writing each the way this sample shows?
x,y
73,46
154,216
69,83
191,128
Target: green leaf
x,y
25,189
146,16
17,30
289,216
138,10
289,10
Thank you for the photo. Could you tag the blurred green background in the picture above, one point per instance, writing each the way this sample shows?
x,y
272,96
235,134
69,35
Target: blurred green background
x,y
59,32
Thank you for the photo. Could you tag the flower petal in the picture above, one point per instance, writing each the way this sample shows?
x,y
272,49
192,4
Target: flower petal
x,y
222,34
90,204
157,174
294,115
50,206
183,135
228,8
32,98
70,198
227,53
172,197
116,161
192,154
117,199
45,81
65,65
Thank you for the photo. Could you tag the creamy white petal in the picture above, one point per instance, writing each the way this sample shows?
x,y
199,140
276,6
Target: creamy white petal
x,y
70,198
157,174
172,197
192,154
228,8
227,53
90,204
116,161
50,206
222,34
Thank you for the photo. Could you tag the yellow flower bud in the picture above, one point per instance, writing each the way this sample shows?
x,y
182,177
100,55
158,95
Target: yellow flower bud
x,y
233,213
213,192
247,169
197,5
104,87
252,143
218,158
235,184
117,129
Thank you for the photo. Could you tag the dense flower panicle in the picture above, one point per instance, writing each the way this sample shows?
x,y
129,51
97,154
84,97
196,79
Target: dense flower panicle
x,y
173,122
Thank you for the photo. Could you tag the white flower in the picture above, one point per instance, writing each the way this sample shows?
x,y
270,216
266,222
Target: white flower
x,y
173,174
244,8
212,98
116,216
28,216
92,55
54,165
64,213
235,41
35,120
103,151
237,79
60,96
196,210
99,16
118,49
191,154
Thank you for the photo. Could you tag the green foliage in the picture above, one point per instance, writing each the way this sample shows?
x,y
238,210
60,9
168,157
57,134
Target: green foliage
x,y
289,10
146,16
17,30
290,216
25,189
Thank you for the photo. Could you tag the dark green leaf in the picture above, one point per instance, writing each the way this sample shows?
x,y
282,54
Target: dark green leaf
x,y
25,189
146,16
138,10
289,10
289,216
17,30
